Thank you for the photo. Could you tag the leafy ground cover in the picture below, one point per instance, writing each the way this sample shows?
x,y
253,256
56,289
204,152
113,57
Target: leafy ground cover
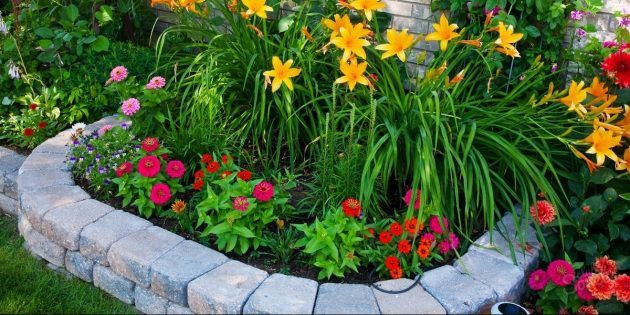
x,y
27,286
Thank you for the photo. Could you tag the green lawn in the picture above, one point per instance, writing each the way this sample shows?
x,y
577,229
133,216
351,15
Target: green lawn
x,y
28,286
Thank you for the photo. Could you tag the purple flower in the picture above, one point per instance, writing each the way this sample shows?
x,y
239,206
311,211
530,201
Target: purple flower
x,y
90,148
97,157
73,159
75,143
624,22
102,170
554,67
609,44
494,11
123,126
580,33
577,15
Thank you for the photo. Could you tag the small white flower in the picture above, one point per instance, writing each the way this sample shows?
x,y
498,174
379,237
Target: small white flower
x,y
78,127
14,71
3,26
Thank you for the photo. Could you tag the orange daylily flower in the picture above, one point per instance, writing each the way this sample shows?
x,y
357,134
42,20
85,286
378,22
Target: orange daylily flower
x,y
353,73
624,164
603,141
506,39
257,7
307,34
337,24
590,164
281,73
471,42
367,6
575,97
352,41
444,32
598,90
398,43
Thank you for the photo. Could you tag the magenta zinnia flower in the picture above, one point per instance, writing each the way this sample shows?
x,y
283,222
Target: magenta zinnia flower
x,y
130,107
150,144
581,290
175,169
156,83
118,74
434,224
538,280
560,272
240,204
263,191
416,204
160,194
149,166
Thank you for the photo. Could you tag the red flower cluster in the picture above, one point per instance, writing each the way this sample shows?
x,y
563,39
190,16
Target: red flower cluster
x,y
617,67
42,125
351,207
393,265
244,175
28,132
32,106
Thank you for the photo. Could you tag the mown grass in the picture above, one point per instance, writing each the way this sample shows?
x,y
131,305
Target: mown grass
x,y
27,286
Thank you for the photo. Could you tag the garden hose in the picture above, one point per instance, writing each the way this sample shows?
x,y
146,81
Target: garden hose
x,y
416,280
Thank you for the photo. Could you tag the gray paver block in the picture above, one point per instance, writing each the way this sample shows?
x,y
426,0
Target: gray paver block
x,y
36,203
114,284
506,279
282,294
55,145
24,226
8,205
133,255
150,303
97,237
225,289
43,247
63,225
177,309
10,161
44,161
79,265
458,293
32,180
414,301
341,298
171,273
9,183
109,120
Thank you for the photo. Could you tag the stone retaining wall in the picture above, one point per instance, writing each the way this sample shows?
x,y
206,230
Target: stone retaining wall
x,y
160,272
10,162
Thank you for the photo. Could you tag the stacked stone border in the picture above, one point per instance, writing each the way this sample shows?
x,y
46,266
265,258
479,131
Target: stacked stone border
x,y
160,272
10,162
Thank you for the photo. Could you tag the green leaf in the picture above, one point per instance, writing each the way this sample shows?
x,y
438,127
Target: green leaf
x,y
9,44
71,12
532,31
609,307
219,228
46,56
613,230
285,22
602,176
45,43
100,44
104,15
44,32
625,196
243,231
586,246
160,117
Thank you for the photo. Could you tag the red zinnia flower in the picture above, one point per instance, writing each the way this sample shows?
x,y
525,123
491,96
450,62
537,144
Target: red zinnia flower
x,y
385,237
423,251
198,184
412,226
32,106
601,286
149,166
28,132
160,194
396,273
226,174
150,144
226,158
560,272
263,191
165,157
351,207
392,262
396,229
542,212
606,266
124,168
538,280
213,167
617,66
42,124
404,246
206,158
244,175
587,310
200,174
622,288
371,231
175,169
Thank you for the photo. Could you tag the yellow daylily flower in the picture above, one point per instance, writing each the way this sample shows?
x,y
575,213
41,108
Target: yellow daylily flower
x,y
367,6
257,7
598,90
169,3
398,43
575,97
353,73
443,32
624,164
603,141
509,50
337,24
506,39
281,73
352,41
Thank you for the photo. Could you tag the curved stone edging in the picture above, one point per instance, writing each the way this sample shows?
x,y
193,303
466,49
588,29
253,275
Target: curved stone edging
x,y
160,272
10,162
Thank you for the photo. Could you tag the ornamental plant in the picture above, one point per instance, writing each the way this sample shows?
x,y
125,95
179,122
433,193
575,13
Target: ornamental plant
x,y
335,242
560,288
149,178
235,207
100,156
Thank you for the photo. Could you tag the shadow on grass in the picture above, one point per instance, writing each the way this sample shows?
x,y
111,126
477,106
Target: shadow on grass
x,y
28,286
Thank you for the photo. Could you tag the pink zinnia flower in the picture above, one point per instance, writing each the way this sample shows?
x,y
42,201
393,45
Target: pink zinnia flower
x,y
175,169
560,272
160,194
149,166
150,144
543,212
416,204
124,168
453,241
118,74
263,191
609,44
444,246
130,107
156,83
434,224
587,310
427,238
581,290
240,204
538,280
104,129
